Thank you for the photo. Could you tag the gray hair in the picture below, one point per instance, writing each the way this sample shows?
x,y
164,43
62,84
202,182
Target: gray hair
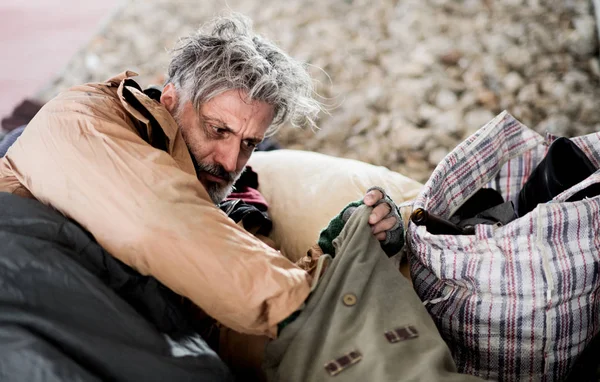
x,y
226,54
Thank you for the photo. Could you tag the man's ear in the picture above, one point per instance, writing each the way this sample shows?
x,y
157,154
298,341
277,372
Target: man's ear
x,y
169,98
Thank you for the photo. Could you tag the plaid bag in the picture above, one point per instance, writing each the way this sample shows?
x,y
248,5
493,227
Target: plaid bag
x,y
518,302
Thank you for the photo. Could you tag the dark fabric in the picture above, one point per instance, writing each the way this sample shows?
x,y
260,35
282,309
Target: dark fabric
x,y
248,179
21,114
61,317
9,139
589,192
159,139
246,188
254,220
501,214
564,166
252,197
154,93
482,200
587,366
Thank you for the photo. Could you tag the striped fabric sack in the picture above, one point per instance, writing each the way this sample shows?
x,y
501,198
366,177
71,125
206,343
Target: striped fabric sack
x,y
518,302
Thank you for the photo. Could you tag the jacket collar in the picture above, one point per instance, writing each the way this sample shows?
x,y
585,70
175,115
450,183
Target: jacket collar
x,y
160,128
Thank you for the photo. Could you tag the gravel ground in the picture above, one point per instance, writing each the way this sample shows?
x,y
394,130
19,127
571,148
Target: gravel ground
x,y
405,80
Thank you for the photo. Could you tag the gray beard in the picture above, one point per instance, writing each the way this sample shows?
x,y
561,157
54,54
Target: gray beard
x,y
216,192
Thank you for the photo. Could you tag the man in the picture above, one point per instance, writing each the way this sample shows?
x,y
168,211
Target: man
x,y
143,175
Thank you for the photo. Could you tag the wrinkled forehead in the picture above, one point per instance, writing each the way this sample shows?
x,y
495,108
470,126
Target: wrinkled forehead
x,y
235,110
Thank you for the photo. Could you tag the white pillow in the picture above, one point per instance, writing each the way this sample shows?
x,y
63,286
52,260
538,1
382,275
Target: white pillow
x,y
305,190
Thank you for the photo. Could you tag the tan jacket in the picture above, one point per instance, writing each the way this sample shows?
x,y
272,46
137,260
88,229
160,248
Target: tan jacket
x,y
84,154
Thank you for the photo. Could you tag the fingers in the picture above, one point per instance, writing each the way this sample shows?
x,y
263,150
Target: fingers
x,y
372,197
380,219
384,225
379,212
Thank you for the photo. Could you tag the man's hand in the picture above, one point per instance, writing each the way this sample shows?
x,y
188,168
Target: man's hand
x,y
383,218
385,222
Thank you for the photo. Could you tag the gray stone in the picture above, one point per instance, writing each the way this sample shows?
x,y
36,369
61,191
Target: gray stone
x,y
584,38
545,40
513,82
496,44
467,100
448,122
473,76
595,66
408,137
575,80
445,99
375,95
428,112
529,93
513,3
523,113
560,93
451,57
417,166
469,45
556,124
409,69
487,98
588,111
437,155
548,83
418,88
475,119
384,124
422,56
517,58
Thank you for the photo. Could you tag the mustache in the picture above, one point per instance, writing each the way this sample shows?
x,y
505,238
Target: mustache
x,y
215,169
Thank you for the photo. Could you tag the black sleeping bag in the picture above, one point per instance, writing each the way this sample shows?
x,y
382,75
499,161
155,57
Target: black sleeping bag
x,y
71,312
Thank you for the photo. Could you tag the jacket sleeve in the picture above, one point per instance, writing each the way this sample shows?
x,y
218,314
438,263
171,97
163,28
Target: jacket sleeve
x,y
146,211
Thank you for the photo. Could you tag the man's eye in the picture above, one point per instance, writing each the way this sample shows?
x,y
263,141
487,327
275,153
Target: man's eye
x,y
219,130
250,145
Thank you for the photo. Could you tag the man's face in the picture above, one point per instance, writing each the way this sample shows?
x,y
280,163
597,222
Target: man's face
x,y
221,136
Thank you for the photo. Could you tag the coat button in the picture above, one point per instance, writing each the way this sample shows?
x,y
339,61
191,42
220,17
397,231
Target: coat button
x,y
349,299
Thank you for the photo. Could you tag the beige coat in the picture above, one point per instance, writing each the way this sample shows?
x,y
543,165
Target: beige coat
x,y
84,155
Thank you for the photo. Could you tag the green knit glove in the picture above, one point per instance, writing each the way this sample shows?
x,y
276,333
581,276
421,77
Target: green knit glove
x,y
335,227
394,237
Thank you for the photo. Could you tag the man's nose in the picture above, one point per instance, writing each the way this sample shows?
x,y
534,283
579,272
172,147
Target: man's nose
x,y
228,156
